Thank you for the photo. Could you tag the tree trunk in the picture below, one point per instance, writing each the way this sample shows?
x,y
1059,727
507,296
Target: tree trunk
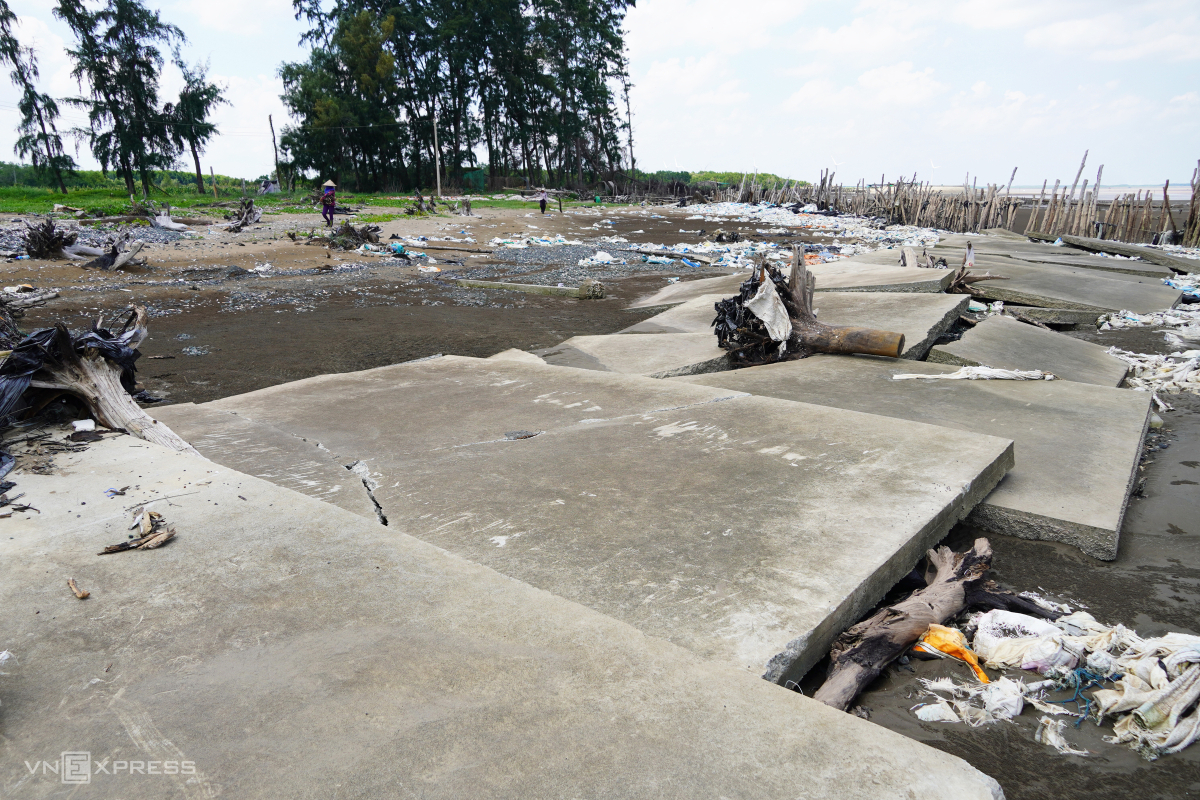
x,y
811,336
97,382
862,652
199,173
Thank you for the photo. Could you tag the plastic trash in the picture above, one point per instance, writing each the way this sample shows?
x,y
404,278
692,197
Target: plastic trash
x,y
767,306
428,269
1049,733
936,712
941,641
979,374
976,306
81,425
689,262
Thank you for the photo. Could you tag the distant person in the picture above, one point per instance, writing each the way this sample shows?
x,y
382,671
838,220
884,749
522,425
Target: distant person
x,y
328,202
542,200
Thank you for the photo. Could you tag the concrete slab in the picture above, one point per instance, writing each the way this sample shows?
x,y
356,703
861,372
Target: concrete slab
x,y
661,356
845,275
1057,316
727,524
513,354
282,647
1077,445
1008,344
268,453
922,318
1118,265
1054,286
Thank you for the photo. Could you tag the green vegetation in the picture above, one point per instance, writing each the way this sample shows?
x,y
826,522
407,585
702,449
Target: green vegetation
x,y
531,81
721,178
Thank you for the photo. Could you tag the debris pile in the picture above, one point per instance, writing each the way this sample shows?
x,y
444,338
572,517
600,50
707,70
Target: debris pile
x,y
772,318
245,214
96,366
1149,687
152,532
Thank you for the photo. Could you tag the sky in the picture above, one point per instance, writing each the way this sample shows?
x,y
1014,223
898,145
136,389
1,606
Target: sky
x,y
879,87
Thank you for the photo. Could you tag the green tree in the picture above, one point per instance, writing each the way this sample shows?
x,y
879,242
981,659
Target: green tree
x,y
188,119
532,80
116,54
39,139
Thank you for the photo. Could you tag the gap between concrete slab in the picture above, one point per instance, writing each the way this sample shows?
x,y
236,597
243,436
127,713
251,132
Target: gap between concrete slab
x,y
370,484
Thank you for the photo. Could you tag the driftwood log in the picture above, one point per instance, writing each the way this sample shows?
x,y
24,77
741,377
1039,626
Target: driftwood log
x,y
954,582
809,335
83,366
751,339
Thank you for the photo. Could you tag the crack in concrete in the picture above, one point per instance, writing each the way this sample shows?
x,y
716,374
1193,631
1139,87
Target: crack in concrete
x,y
363,472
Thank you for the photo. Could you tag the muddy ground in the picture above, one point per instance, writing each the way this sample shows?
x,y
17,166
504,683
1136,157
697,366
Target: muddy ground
x,y
314,312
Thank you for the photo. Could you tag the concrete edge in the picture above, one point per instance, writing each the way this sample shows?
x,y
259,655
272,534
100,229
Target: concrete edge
x,y
792,663
918,351
719,364
1099,543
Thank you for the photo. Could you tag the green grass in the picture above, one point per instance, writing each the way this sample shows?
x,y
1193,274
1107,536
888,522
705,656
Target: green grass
x,y
115,202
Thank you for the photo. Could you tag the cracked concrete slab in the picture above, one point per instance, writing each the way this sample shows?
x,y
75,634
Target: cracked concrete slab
x,y
271,454
662,356
844,275
282,647
1008,344
728,524
921,317
1077,445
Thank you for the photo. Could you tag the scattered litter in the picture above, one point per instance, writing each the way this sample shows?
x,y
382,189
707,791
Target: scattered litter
x,y
111,493
981,374
1171,374
429,269
152,532
1049,733
84,425
515,435
195,351
80,593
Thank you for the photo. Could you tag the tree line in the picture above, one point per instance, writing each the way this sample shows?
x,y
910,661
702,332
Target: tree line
x,y
393,87
391,90
118,55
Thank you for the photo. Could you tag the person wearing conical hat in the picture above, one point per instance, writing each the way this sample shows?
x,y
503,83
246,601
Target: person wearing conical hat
x,y
328,202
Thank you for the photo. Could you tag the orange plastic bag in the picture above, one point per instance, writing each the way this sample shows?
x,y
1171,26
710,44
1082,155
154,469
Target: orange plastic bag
x,y
942,641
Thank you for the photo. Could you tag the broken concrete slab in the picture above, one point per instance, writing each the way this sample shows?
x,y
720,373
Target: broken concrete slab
x,y
268,453
1054,286
1151,254
728,524
844,275
1055,316
1077,445
513,354
1008,344
282,647
921,317
661,356
1126,266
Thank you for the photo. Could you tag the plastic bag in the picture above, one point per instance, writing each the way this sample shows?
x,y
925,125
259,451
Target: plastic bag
x,y
942,641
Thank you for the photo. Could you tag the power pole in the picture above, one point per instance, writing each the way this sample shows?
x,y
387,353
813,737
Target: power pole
x,y
278,174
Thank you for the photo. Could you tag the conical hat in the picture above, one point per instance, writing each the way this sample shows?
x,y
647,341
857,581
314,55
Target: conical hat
x,y
330,183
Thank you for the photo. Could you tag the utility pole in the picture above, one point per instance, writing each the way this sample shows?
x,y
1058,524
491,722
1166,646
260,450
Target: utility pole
x,y
437,156
278,174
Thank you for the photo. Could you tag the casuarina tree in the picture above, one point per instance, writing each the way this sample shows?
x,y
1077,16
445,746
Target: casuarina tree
x,y
118,62
39,139
188,119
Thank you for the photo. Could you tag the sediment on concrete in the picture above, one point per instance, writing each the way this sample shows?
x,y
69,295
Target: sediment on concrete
x,y
282,647
728,524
